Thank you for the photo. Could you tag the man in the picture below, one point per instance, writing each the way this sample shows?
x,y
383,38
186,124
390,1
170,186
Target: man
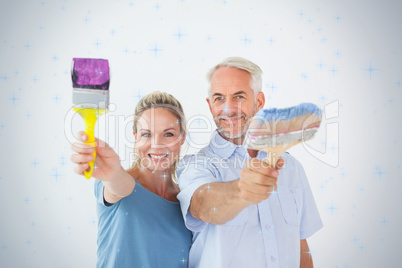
x,y
243,213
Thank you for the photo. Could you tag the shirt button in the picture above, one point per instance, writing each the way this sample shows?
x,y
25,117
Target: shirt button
x,y
273,259
267,227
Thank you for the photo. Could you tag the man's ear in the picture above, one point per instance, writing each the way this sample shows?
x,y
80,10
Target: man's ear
x,y
135,136
260,100
209,104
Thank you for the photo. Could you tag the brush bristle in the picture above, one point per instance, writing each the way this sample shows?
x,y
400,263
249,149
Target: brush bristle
x,y
275,121
90,73
276,126
90,83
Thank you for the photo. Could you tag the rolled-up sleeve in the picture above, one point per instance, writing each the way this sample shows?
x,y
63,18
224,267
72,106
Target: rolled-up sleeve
x,y
193,171
98,190
310,221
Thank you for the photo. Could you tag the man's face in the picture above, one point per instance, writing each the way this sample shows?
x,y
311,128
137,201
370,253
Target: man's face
x,y
232,102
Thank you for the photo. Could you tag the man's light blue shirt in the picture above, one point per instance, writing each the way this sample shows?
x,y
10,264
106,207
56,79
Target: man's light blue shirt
x,y
267,234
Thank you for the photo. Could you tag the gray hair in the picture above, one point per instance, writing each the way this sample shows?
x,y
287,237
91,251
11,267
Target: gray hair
x,y
242,64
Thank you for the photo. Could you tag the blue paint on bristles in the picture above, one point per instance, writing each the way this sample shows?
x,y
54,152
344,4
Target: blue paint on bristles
x,y
282,128
289,113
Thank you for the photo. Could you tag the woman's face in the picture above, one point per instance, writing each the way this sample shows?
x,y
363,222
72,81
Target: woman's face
x,y
158,139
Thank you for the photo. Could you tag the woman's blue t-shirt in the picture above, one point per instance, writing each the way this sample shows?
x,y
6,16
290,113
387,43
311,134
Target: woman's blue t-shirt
x,y
141,230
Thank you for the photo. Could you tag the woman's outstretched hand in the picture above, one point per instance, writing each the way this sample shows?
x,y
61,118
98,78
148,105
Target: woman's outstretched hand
x,y
107,162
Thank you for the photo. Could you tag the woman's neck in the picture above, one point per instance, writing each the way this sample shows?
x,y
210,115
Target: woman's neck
x,y
158,182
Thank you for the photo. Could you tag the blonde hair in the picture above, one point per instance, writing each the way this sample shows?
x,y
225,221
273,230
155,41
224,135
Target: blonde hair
x,y
158,99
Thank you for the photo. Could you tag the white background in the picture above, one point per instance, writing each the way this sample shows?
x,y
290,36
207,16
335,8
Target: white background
x,y
343,55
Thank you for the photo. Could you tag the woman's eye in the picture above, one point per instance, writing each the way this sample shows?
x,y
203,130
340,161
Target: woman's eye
x,y
146,135
169,134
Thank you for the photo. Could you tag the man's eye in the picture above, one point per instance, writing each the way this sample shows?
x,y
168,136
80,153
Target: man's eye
x,y
239,97
218,98
146,135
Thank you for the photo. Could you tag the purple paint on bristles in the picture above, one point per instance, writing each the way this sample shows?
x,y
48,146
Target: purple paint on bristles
x,y
90,73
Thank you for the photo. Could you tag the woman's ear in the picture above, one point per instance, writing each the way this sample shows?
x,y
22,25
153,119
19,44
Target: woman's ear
x,y
183,138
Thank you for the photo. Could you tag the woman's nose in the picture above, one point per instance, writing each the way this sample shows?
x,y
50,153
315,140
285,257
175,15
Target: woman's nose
x,y
157,142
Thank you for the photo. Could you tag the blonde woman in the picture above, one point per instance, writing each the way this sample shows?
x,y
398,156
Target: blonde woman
x,y
140,222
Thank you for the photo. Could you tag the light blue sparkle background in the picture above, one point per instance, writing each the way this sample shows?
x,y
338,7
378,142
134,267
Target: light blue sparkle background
x,y
343,55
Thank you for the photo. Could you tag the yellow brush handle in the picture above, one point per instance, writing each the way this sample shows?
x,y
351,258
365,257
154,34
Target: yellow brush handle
x,y
90,116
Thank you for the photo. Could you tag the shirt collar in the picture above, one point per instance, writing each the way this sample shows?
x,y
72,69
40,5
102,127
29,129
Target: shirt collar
x,y
224,148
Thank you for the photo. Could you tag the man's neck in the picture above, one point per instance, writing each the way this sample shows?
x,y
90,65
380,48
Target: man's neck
x,y
239,141
236,141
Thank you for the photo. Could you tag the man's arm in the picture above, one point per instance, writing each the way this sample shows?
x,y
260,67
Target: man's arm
x,y
306,261
217,202
220,202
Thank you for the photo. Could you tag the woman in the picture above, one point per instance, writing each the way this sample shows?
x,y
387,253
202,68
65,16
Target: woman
x,y
140,222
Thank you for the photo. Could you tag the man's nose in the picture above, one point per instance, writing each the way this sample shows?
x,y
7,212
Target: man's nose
x,y
230,106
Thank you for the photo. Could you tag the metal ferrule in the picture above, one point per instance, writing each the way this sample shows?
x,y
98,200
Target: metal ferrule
x,y
91,98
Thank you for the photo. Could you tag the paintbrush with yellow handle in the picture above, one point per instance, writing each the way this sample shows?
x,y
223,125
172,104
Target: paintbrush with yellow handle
x,y
90,96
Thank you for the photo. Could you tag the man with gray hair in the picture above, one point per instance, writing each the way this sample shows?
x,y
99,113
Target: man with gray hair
x,y
243,213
